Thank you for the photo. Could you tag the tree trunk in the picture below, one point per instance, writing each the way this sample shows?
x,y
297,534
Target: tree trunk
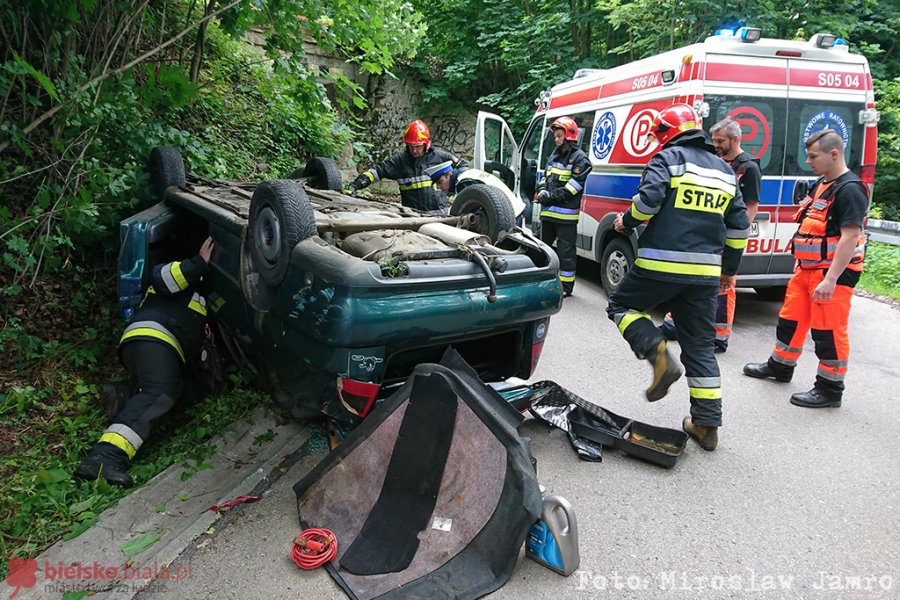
x,y
197,60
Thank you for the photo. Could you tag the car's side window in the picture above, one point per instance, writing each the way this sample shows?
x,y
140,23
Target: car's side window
x,y
585,122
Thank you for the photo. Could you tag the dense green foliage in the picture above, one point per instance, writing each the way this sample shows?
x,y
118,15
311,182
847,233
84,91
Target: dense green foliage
x,y
881,275
87,88
500,54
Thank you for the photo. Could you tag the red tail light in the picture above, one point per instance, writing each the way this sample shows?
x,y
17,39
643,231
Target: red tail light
x,y
536,350
357,396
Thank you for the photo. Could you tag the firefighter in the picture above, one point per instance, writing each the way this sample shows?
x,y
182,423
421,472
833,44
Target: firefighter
x,y
166,334
696,231
726,137
408,169
829,246
559,194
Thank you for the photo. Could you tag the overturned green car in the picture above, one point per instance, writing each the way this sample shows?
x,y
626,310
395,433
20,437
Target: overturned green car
x,y
330,301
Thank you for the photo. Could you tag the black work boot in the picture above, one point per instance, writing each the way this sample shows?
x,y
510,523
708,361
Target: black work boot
x,y
106,460
665,372
765,371
817,398
707,437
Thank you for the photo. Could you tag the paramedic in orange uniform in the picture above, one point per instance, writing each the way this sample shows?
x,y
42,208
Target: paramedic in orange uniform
x,y
829,247
726,137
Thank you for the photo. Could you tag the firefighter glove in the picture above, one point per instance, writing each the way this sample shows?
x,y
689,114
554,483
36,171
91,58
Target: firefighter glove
x,y
543,197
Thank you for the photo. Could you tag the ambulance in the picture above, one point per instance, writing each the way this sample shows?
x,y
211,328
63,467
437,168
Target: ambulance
x,y
779,91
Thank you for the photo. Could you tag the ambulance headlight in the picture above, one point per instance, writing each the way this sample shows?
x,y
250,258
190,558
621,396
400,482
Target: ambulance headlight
x,y
823,40
749,34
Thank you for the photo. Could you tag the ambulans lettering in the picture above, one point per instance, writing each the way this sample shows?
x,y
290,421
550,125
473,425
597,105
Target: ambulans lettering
x,y
699,198
604,135
765,246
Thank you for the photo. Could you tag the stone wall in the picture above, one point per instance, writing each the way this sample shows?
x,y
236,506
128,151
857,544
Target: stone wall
x,y
392,106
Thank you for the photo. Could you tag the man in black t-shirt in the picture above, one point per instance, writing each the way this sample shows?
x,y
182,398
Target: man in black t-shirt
x,y
829,247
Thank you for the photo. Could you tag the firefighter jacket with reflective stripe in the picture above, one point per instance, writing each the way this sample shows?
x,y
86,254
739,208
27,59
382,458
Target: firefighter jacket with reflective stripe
x,y
416,189
173,311
697,223
819,232
565,176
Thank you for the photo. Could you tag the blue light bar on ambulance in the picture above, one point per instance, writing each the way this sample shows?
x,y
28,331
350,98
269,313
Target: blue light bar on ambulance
x,y
724,32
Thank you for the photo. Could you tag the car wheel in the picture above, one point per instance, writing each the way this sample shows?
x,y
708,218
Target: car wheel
x,y
166,170
492,210
280,216
774,293
323,174
618,259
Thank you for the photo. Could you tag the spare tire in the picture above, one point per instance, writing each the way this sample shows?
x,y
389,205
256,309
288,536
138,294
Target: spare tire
x,y
280,216
166,170
323,174
492,210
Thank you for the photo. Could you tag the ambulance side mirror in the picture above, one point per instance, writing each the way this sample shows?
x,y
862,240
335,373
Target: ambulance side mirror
x,y
801,188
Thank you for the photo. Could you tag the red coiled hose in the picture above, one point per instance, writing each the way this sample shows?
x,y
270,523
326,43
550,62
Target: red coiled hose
x,y
313,548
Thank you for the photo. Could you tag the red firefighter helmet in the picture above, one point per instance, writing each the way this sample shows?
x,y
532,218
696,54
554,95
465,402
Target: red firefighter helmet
x,y
673,121
417,133
567,124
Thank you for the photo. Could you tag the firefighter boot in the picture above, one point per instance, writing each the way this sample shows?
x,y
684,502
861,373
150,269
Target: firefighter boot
x,y
816,398
106,460
707,437
665,372
765,371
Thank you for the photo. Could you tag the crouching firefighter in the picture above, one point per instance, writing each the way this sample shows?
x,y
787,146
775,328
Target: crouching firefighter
x,y
167,332
829,246
696,231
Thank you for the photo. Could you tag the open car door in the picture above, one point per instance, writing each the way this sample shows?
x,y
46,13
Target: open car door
x,y
496,150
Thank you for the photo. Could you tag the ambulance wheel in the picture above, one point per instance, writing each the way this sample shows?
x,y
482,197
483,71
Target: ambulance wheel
x,y
166,170
280,217
773,294
617,260
492,209
323,174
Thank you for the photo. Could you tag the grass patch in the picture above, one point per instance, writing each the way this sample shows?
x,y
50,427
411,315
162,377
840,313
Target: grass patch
x,y
58,340
45,440
881,275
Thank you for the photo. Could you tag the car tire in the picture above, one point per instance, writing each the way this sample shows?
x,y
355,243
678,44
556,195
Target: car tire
x,y
771,294
617,261
323,174
280,217
166,170
490,206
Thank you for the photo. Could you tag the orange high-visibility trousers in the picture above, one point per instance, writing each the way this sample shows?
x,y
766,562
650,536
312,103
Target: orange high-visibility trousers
x,y
826,320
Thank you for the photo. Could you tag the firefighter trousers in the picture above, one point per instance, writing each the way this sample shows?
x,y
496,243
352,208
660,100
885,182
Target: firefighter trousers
x,y
827,321
564,234
725,303
159,373
693,308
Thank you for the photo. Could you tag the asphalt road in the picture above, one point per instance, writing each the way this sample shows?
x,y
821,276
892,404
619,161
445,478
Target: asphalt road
x,y
794,503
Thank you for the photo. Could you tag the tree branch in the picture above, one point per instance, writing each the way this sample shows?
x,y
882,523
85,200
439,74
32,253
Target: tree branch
x,y
52,111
